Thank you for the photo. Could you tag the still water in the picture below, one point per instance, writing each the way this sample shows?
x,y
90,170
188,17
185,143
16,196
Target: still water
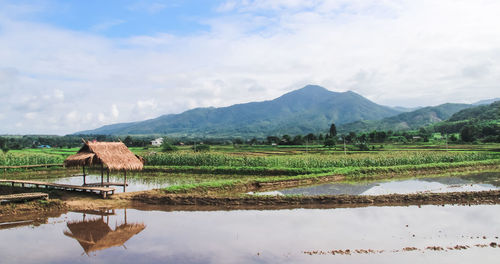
x,y
142,181
259,236
465,183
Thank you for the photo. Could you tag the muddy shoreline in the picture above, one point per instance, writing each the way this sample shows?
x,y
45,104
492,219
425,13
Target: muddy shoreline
x,y
328,201
156,200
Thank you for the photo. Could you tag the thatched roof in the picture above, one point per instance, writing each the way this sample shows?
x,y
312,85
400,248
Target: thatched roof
x,y
95,235
113,155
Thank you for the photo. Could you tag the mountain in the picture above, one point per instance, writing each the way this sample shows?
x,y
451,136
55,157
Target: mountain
x,y
484,120
406,121
487,101
405,109
483,113
308,110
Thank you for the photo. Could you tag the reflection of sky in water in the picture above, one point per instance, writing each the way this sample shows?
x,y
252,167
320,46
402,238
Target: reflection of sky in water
x,y
418,186
134,184
136,181
480,182
278,236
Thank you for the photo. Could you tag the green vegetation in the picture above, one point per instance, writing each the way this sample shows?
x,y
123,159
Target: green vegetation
x,y
26,158
350,173
307,110
310,160
407,121
478,123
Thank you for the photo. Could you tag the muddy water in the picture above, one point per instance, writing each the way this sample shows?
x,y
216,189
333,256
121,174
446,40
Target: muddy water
x,y
464,183
136,181
274,236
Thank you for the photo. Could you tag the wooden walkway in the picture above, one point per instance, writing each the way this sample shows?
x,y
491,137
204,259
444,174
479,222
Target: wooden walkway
x,y
97,184
103,191
23,197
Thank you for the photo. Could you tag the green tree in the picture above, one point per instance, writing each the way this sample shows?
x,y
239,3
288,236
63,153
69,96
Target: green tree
x,y
273,139
128,141
201,148
310,137
330,142
333,130
468,133
286,140
167,146
298,140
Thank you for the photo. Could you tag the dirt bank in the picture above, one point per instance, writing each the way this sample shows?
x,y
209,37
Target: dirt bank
x,y
157,200
32,210
330,201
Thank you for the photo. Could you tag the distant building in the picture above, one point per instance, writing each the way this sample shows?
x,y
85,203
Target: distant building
x,y
157,142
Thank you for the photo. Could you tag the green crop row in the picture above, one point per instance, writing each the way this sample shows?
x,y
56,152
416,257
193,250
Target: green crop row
x,y
21,159
312,160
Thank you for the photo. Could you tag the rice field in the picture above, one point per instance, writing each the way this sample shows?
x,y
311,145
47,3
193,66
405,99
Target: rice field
x,y
313,160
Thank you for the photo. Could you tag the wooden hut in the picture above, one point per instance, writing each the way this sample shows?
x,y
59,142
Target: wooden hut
x,y
108,156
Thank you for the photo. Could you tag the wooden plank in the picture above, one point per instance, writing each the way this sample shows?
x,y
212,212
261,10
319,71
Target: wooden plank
x,y
23,197
101,190
97,184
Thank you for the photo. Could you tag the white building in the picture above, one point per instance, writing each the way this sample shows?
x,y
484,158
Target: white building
x,y
157,142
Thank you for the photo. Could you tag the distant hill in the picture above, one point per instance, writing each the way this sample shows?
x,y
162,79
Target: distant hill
x,y
482,112
406,109
308,110
484,117
487,101
406,121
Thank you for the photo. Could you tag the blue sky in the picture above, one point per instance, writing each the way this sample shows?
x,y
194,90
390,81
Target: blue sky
x,y
67,66
126,18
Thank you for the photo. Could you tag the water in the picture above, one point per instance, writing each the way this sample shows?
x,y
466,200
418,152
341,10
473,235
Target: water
x,y
136,181
466,183
252,236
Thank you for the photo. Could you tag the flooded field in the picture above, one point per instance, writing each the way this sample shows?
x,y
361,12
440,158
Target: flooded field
x,y
135,181
465,183
435,234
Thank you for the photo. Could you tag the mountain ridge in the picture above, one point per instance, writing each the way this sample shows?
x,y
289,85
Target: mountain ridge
x,y
408,120
310,109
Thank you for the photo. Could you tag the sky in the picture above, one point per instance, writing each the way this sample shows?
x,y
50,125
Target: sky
x,y
67,66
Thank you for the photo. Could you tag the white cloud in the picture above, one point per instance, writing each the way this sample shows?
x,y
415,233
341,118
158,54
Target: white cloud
x,y
30,115
72,116
101,117
394,52
114,111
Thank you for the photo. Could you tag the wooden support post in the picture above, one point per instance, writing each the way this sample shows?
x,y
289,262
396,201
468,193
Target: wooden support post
x,y
84,182
108,176
125,181
102,175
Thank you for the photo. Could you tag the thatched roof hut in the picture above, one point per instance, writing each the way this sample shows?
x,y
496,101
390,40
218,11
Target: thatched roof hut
x,y
94,235
113,155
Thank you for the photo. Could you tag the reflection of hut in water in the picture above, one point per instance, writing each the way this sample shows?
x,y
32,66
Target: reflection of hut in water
x,y
96,234
109,156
